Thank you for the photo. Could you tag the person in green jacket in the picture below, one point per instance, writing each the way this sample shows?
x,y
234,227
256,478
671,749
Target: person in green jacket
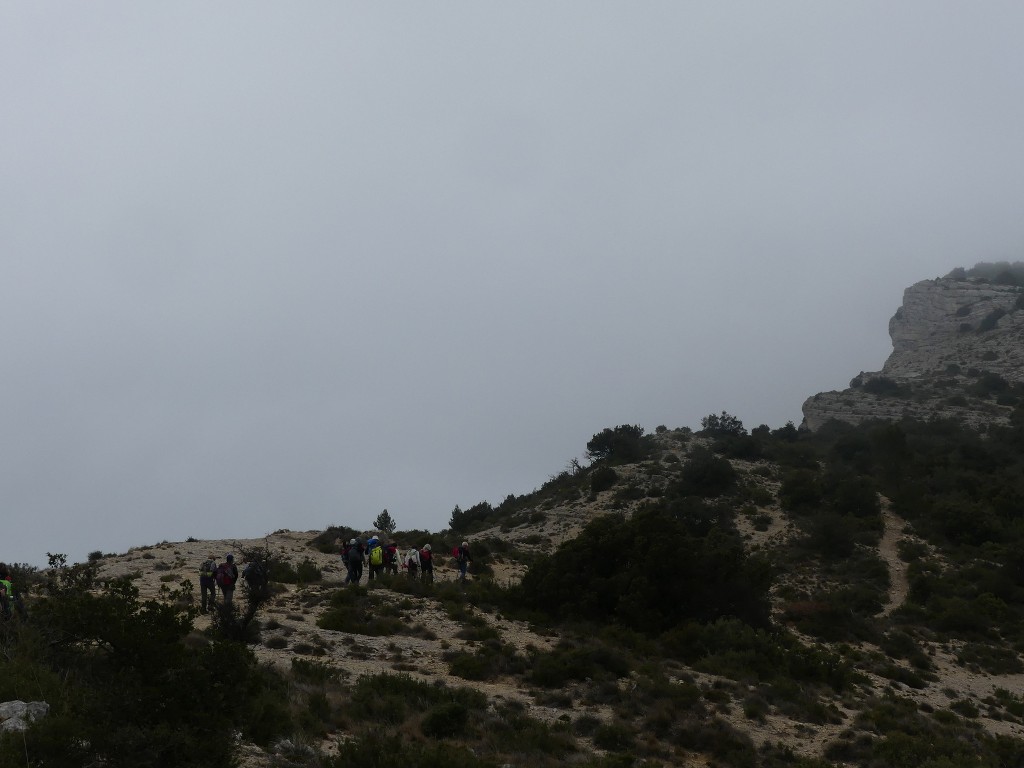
x,y
6,590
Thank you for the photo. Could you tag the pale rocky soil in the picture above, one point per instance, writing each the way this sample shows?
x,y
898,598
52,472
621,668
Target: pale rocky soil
x,y
296,612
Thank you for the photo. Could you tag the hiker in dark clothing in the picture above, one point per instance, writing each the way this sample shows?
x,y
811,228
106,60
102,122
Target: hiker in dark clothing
x,y
463,560
353,561
391,558
344,560
257,577
427,564
361,548
208,584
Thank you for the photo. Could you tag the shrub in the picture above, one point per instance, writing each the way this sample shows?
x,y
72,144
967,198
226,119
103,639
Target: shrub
x,y
705,475
622,444
130,650
572,661
648,573
603,478
615,737
446,720
353,610
722,426
883,386
330,541
490,660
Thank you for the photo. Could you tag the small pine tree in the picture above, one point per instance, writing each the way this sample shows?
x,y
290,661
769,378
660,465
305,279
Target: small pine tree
x,y
384,523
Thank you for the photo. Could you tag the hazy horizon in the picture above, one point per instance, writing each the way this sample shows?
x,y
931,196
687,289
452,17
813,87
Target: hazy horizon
x,y
277,266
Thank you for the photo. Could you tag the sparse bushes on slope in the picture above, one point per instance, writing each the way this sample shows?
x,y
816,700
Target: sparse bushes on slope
x,y
123,685
648,573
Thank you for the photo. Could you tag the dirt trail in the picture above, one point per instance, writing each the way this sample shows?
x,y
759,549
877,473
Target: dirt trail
x,y
888,550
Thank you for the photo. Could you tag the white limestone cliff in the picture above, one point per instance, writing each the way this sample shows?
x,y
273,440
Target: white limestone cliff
x,y
958,347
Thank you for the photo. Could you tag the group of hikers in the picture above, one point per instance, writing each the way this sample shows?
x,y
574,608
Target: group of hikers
x,y
224,576
381,558
378,557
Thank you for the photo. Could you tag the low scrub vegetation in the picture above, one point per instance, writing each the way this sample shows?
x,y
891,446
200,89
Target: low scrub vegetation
x,y
659,630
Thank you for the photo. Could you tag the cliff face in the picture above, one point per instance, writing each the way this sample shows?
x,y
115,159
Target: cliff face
x,y
958,351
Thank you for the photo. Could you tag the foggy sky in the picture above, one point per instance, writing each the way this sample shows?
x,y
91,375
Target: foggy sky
x,y
284,265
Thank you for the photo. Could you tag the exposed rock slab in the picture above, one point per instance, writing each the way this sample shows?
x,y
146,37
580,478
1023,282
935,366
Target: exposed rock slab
x,y
958,347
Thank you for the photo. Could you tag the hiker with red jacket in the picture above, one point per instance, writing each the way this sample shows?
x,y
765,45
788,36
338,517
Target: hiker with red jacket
x,y
463,559
227,575
427,564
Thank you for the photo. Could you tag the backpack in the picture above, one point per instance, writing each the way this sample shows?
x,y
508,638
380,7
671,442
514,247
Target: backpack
x,y
424,555
207,569
457,553
225,576
377,555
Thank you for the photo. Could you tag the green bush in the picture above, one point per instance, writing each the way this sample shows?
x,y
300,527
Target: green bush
x,y
622,444
574,661
354,610
128,650
648,573
445,720
603,478
615,737
706,475
492,659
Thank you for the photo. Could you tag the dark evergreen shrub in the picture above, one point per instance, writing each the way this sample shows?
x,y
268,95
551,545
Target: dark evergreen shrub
x,y
602,478
706,475
614,737
622,444
725,425
445,720
648,573
884,387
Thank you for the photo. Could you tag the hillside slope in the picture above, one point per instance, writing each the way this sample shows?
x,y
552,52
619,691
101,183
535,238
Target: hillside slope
x,y
844,605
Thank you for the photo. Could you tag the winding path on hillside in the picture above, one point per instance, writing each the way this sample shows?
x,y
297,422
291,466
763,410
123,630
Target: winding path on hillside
x,y
888,550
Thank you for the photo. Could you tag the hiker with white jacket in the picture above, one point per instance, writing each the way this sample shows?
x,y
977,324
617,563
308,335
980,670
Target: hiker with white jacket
x,y
412,562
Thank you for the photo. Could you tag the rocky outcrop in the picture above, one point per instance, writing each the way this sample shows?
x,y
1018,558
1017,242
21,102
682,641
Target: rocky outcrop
x,y
16,715
958,352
